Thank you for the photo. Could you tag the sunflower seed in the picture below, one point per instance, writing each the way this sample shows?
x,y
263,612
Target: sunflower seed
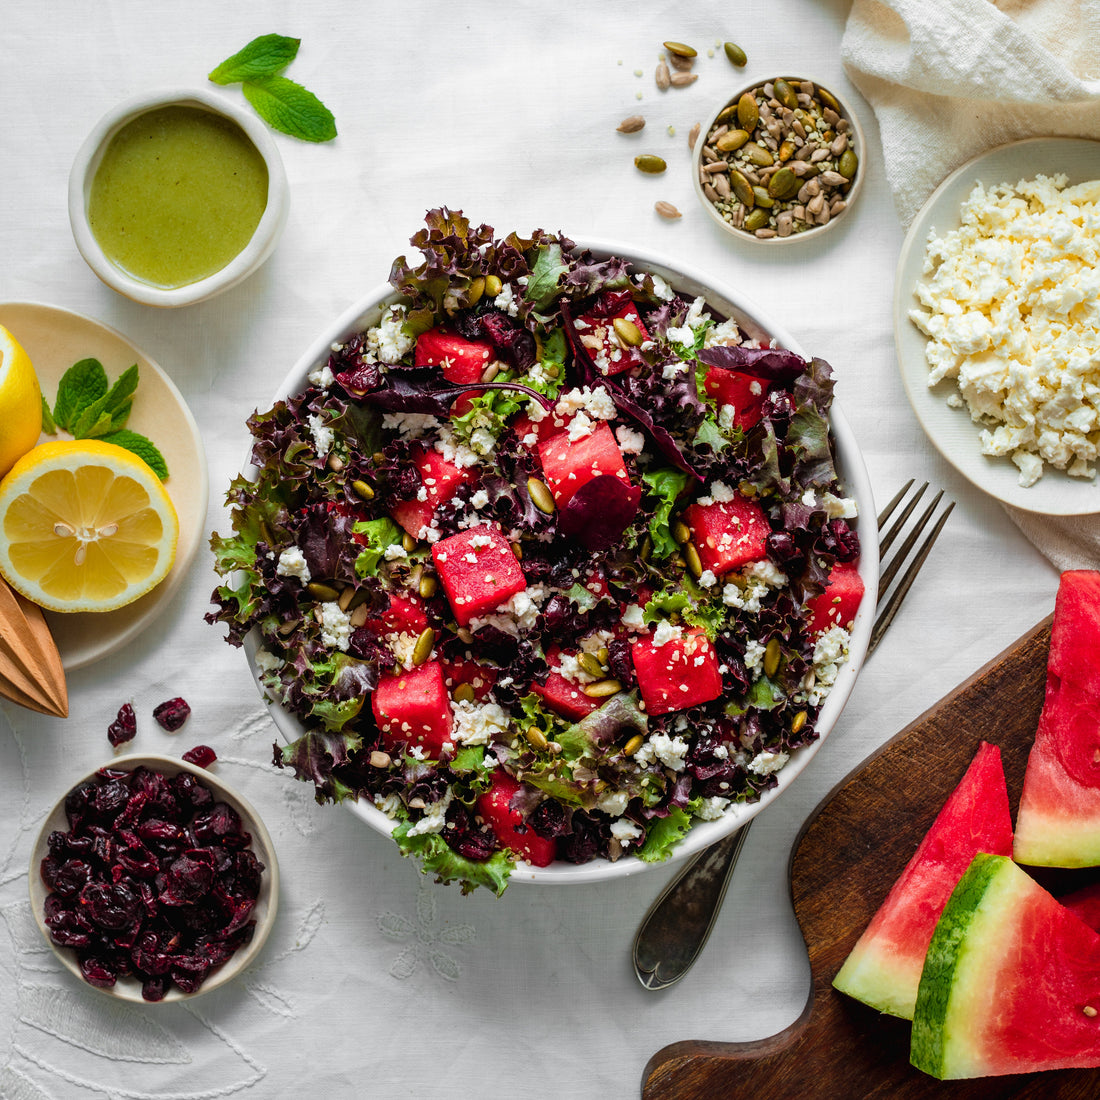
x,y
693,135
629,125
666,210
663,77
682,80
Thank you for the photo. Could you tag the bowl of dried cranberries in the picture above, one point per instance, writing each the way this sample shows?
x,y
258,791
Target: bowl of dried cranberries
x,y
153,880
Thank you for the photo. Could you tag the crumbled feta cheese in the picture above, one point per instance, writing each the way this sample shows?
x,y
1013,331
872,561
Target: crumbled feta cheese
x,y
453,449
839,507
478,723
435,816
625,829
321,377
630,441
722,493
711,809
665,633
336,626
597,403
764,763
707,579
479,499
266,661
506,300
395,552
321,433
633,617
670,751
410,424
292,563
613,803
387,339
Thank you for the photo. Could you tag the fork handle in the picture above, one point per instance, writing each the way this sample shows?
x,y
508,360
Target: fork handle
x,y
678,924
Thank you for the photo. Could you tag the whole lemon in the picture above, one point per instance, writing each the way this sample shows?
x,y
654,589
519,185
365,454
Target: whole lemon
x,y
20,402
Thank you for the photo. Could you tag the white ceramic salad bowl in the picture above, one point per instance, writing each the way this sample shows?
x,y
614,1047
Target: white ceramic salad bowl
x,y
853,475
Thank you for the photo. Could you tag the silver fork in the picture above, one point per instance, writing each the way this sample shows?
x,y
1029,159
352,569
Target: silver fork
x,y
675,930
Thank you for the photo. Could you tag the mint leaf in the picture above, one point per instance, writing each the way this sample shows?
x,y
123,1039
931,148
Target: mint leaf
x,y
119,398
264,56
87,428
81,385
144,448
290,108
48,425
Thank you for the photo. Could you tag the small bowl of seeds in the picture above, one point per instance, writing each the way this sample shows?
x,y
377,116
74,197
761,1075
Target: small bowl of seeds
x,y
779,161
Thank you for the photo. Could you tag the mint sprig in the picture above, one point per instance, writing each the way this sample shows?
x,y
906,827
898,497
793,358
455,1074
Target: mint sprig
x,y
284,105
89,407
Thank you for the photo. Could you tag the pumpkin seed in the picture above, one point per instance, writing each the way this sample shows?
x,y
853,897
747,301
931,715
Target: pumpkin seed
x,y
465,634
798,722
627,331
427,586
785,94
346,597
289,628
848,164
681,50
756,154
828,99
742,188
646,551
323,592
493,285
633,745
477,289
694,563
464,693
362,490
536,739
772,654
629,125
590,663
732,140
650,164
783,185
786,151
748,114
425,643
727,114
603,655
681,532
736,55
541,497
756,219
601,689
408,543
763,198
378,458
666,210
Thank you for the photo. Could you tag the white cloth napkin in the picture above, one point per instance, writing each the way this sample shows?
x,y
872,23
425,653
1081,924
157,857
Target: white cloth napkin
x,y
948,79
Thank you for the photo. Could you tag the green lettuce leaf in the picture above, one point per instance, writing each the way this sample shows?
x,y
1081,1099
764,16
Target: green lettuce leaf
x,y
664,834
380,534
436,858
666,484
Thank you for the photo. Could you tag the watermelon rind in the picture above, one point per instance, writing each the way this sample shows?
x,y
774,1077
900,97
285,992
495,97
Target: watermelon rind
x,y
1011,981
883,969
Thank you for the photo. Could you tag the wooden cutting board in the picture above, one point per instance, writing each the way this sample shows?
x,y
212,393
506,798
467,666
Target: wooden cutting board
x,y
844,862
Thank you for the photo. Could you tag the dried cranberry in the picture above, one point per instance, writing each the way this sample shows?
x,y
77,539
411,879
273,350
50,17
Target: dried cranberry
x,y
153,989
124,727
98,971
172,714
201,755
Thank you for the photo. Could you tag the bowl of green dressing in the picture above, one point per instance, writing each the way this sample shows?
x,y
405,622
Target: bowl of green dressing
x,y
176,196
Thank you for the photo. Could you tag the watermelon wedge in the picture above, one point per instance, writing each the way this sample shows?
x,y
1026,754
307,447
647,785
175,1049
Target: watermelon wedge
x,y
884,968
1058,824
1011,983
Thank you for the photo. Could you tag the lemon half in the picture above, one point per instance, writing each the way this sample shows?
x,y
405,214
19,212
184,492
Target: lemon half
x,y
20,402
84,526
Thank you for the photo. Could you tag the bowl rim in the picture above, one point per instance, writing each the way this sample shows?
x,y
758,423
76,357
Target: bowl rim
x,y
854,476
259,247
265,910
811,234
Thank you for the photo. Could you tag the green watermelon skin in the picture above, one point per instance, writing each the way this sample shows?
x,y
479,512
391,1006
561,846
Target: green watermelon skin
x,y
1058,824
883,969
1010,982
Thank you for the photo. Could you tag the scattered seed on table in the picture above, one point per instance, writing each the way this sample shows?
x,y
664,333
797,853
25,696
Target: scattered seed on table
x,y
666,210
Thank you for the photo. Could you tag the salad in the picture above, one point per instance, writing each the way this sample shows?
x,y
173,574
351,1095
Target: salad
x,y
549,561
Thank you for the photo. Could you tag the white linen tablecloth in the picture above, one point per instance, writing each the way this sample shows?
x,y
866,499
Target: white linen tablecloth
x,y
376,982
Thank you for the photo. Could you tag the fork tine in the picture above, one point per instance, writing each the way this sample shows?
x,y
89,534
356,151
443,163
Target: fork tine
x,y
887,540
886,616
896,562
885,514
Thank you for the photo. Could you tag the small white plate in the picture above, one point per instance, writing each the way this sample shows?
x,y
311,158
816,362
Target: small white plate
x,y
55,339
267,903
952,431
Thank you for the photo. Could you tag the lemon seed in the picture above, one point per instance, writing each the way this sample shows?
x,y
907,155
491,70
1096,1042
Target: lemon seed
x,y
490,372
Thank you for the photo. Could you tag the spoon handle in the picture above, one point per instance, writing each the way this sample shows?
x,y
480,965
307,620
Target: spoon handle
x,y
679,922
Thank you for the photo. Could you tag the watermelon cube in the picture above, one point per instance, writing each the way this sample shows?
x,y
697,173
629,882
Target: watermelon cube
x,y
883,969
414,707
465,670
463,361
441,480
567,464
678,674
742,391
405,615
478,570
561,695
838,604
597,332
728,533
508,825
543,429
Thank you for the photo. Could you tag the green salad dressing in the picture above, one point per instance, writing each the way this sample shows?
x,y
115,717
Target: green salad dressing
x,y
179,192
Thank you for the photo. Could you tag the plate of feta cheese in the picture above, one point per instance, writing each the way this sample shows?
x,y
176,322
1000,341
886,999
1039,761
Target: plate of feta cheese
x,y
997,323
